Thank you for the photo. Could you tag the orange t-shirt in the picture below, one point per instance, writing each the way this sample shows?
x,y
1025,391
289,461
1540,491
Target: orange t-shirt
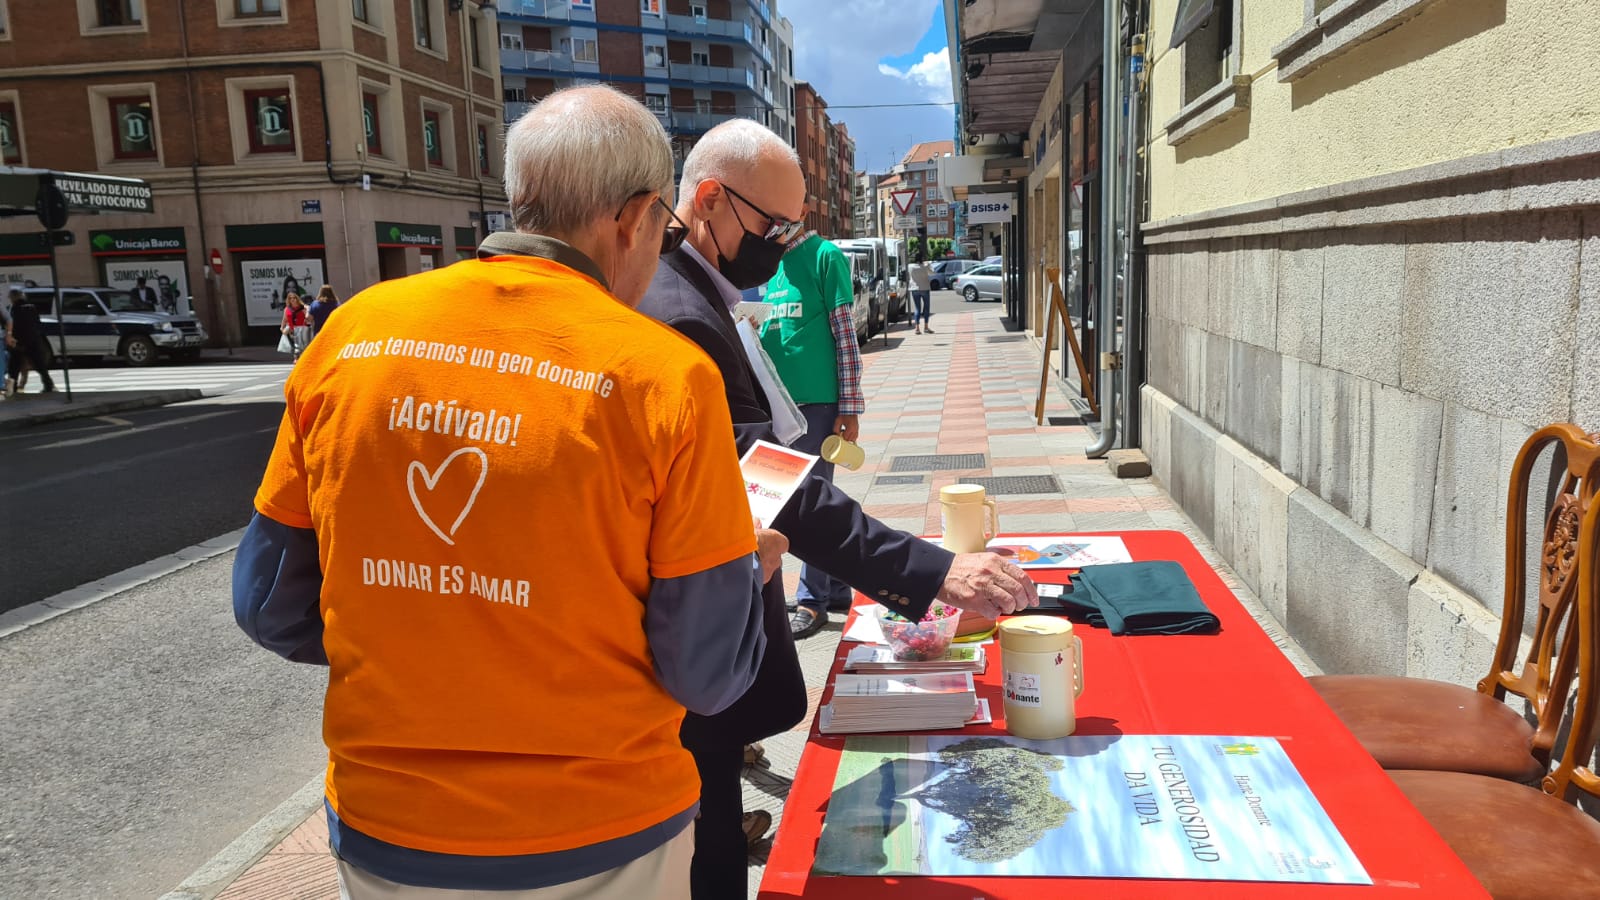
x,y
497,458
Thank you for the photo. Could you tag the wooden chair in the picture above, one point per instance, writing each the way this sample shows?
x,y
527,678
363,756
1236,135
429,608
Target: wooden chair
x,y
1524,843
1414,723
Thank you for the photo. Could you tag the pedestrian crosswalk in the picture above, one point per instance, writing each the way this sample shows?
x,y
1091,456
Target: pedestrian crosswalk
x,y
211,379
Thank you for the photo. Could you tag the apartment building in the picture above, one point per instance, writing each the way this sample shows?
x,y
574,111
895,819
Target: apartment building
x,y
918,170
290,141
827,157
863,204
696,63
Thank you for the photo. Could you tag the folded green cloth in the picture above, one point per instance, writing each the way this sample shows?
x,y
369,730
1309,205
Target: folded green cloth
x,y
1146,598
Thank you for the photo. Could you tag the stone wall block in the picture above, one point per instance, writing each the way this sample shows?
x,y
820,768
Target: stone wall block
x,y
1194,284
1363,285
1255,292
1404,450
1194,367
1193,458
1214,397
1300,293
1466,536
1450,636
1220,286
1255,402
1586,388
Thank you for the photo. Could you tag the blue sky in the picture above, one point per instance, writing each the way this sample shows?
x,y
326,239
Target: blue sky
x,y
876,52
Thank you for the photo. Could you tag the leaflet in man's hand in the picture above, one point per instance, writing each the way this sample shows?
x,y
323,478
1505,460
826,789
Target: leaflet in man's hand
x,y
771,476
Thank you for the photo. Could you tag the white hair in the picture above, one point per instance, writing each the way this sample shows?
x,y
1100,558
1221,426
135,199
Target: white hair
x,y
580,154
730,149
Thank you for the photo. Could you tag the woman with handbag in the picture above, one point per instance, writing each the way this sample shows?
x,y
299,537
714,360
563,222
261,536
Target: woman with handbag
x,y
296,327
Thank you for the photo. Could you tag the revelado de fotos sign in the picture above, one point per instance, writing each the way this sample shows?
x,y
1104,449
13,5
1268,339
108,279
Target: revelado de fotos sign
x,y
105,194
989,209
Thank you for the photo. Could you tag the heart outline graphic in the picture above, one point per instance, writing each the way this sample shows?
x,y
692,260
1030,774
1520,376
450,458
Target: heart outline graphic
x,y
432,479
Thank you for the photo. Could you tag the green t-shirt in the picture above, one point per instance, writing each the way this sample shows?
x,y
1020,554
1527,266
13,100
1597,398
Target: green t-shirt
x,y
813,281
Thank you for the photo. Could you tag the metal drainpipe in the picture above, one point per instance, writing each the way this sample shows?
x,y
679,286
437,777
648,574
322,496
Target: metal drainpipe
x,y
1106,322
1133,284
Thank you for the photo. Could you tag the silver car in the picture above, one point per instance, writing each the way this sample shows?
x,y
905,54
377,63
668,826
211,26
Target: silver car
x,y
103,321
977,284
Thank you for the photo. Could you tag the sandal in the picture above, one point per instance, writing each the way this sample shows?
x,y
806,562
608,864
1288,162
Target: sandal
x,y
804,622
756,824
755,755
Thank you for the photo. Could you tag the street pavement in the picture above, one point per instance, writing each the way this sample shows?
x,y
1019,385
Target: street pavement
x,y
967,388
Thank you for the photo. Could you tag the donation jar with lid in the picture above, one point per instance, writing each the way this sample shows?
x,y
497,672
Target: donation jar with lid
x,y
1043,664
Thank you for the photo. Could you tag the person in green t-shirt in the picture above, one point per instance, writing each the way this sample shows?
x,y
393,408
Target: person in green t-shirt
x,y
811,337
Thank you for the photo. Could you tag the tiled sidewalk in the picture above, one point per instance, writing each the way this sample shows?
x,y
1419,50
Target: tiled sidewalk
x,y
968,389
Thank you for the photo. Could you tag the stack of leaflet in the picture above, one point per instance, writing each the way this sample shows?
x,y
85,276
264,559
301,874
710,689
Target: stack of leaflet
x,y
879,658
901,702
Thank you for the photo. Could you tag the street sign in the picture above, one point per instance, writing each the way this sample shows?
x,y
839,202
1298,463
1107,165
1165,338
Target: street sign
x,y
903,201
216,260
48,239
989,209
310,207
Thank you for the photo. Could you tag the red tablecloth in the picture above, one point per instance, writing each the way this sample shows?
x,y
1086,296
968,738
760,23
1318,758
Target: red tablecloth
x,y
1233,683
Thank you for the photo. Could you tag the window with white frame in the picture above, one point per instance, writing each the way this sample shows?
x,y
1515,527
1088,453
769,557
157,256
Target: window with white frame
x,y
250,9
656,103
245,13
698,12
510,41
359,9
112,16
263,119
5,24
702,105
700,57
10,131
475,27
439,137
650,7
424,26
514,94
584,50
655,56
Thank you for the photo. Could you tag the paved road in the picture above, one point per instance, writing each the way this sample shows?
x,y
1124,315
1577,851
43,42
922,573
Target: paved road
x,y
140,735
90,497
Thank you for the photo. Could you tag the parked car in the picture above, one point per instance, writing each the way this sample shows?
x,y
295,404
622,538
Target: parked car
x,y
993,260
945,271
104,321
981,283
872,312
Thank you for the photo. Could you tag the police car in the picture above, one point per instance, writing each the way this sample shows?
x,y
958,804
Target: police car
x,y
103,321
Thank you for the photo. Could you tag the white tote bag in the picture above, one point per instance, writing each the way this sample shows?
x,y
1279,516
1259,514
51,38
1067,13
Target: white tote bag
x,y
788,425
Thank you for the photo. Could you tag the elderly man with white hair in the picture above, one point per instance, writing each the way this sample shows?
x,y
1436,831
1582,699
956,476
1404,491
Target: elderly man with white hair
x,y
517,536
742,195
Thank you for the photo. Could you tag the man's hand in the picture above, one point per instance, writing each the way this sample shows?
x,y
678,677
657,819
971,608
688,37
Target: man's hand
x,y
770,548
847,427
989,585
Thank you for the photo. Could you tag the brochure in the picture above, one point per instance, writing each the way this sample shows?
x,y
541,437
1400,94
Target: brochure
x,y
771,476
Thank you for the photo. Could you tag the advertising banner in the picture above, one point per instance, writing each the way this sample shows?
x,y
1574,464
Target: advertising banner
x,y
169,277
267,281
24,274
986,209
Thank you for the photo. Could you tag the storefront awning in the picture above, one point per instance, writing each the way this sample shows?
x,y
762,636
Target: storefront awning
x,y
1009,51
85,194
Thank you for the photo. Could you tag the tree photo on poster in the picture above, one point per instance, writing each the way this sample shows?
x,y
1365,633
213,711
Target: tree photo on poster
x,y
267,281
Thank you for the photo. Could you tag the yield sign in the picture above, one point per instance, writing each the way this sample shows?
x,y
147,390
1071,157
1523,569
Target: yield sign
x,y
903,200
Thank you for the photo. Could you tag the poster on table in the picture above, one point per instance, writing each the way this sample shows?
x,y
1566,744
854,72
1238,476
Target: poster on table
x,y
1117,806
267,281
1062,551
169,277
24,275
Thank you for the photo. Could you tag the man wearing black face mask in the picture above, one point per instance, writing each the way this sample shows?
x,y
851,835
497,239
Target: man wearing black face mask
x,y
742,195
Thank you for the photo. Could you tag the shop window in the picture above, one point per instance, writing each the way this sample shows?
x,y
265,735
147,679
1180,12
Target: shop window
x,y
133,127
256,9
433,137
372,122
271,121
10,133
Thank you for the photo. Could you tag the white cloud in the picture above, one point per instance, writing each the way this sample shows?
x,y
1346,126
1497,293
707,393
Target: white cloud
x,y
932,74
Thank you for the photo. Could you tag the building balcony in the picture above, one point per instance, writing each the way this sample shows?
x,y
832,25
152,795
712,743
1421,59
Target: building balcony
x,y
762,10
545,9
515,111
697,122
712,75
709,27
545,61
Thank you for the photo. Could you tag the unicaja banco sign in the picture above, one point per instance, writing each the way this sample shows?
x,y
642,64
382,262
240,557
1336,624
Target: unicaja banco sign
x,y
105,243
400,234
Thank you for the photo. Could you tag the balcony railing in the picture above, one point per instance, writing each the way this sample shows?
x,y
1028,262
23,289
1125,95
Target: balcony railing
x,y
711,27
545,60
515,110
712,74
548,9
698,121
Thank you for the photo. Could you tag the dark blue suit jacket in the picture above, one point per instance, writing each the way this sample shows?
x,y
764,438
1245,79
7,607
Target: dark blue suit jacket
x,y
824,525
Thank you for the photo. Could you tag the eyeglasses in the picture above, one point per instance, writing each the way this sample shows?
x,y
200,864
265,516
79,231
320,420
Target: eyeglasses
x,y
780,231
674,233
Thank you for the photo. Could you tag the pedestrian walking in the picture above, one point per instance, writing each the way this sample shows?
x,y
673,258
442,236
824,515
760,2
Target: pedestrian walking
x,y
921,295
742,196
811,337
322,308
29,347
543,557
146,294
296,327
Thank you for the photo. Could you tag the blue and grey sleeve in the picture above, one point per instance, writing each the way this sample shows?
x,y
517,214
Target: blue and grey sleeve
x,y
277,590
705,633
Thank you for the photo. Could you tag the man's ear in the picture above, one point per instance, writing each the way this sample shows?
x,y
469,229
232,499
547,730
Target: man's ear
x,y
707,195
633,221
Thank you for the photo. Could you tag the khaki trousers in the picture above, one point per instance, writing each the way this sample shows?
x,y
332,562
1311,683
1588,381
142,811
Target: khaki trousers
x,y
662,874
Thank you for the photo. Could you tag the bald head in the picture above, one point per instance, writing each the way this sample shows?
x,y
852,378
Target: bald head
x,y
746,154
578,155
